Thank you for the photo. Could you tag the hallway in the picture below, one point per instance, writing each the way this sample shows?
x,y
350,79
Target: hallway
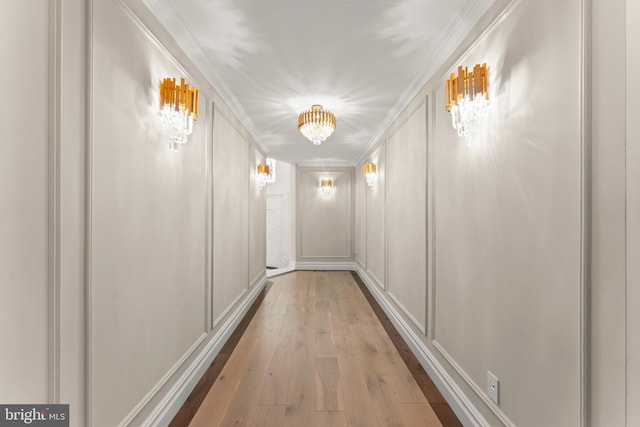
x,y
315,353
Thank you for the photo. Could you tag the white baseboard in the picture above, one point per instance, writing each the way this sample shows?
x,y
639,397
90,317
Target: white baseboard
x,y
278,271
178,394
460,404
329,266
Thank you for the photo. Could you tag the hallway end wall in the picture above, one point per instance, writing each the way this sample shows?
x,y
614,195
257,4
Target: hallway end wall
x,y
324,222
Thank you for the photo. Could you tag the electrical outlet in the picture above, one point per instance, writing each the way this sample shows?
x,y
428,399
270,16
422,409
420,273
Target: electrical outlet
x,y
493,387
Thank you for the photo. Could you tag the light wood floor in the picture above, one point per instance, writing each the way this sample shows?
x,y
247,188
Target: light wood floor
x,y
315,354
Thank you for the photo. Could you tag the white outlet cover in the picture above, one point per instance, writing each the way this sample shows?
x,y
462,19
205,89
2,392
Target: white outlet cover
x,y
493,387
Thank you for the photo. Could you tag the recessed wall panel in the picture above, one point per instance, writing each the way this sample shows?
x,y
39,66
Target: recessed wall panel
x,y
147,222
508,219
24,211
375,219
230,215
325,220
257,222
406,190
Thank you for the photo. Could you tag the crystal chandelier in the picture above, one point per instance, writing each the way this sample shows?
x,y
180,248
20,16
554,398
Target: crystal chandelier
x,y
179,109
467,98
316,124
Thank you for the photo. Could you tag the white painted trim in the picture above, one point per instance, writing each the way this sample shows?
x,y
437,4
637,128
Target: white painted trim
x,y
261,277
328,266
178,394
53,200
278,271
230,307
406,312
457,400
165,378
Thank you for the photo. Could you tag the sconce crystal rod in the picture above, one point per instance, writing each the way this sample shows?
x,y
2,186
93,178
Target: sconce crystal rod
x,y
179,109
467,97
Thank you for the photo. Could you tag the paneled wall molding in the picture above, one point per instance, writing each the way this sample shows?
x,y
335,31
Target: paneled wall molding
x,y
469,382
194,80
461,405
154,392
586,196
179,392
495,38
329,266
224,314
325,223
407,313
53,282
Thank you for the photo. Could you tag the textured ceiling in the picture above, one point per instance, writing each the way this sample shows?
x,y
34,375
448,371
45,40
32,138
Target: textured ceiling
x,y
362,60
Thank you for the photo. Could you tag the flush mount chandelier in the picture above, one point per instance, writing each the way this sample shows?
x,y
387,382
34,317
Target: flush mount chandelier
x,y
179,109
467,98
316,124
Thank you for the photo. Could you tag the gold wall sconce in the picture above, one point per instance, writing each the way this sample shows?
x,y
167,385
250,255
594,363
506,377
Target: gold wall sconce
x,y
262,175
326,186
371,174
179,109
467,98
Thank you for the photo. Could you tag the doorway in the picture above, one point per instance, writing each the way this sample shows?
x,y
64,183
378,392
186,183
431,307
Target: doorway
x,y
279,218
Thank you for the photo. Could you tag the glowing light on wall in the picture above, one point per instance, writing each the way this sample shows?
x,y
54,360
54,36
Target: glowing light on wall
x,y
326,186
467,98
370,174
262,175
179,109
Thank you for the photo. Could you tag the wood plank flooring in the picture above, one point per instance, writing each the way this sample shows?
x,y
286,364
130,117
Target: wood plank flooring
x,y
315,350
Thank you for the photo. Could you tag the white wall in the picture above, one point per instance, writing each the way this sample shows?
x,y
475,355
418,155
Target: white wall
x,y
406,250
503,238
608,354
41,194
26,213
632,44
375,212
138,315
177,239
257,223
325,222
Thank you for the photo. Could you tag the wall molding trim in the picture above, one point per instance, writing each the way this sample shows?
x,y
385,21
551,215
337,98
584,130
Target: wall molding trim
x,y
53,202
328,266
178,394
459,402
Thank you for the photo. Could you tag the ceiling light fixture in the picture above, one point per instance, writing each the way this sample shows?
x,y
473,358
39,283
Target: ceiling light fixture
x,y
467,98
179,109
370,174
316,124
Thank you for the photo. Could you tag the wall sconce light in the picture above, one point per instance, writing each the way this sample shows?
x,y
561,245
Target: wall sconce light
x,y
370,174
263,174
326,186
179,109
467,97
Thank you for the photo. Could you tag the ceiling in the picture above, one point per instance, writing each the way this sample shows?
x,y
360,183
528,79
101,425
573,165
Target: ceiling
x,y
362,60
